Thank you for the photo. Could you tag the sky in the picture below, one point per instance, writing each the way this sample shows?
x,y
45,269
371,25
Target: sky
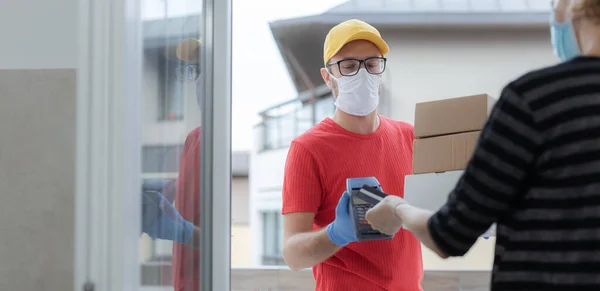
x,y
259,77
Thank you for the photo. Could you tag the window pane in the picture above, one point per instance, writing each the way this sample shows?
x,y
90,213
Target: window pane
x,y
171,93
161,159
272,136
279,234
269,226
176,100
272,241
288,130
171,144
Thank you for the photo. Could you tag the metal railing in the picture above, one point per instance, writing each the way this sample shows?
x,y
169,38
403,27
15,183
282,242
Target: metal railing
x,y
281,124
273,260
158,275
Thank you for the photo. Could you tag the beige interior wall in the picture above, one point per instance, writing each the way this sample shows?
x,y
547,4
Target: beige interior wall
x,y
37,179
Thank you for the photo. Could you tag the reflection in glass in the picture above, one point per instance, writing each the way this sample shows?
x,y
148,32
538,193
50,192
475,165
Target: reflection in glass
x,y
171,145
189,72
171,89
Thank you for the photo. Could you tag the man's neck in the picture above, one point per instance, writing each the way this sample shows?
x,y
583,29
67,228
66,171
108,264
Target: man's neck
x,y
357,124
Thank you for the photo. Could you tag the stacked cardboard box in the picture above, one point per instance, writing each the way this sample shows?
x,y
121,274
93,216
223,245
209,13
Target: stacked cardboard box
x,y
447,132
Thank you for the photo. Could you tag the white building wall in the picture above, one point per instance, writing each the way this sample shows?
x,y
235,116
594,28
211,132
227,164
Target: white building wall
x,y
424,66
266,176
436,65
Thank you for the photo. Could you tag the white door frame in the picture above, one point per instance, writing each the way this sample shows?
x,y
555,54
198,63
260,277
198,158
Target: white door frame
x,y
216,146
109,145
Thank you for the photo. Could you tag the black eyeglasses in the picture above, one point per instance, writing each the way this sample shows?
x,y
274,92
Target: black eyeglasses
x,y
350,67
189,72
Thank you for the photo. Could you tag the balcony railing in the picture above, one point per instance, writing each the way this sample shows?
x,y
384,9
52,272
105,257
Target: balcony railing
x,y
273,260
284,279
283,123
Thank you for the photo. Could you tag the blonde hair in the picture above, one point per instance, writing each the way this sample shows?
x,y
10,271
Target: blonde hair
x,y
589,9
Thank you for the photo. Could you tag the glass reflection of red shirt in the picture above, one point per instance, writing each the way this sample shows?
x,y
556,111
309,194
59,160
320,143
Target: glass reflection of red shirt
x,y
186,266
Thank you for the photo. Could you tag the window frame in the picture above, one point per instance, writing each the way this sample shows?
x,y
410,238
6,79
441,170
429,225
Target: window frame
x,y
108,223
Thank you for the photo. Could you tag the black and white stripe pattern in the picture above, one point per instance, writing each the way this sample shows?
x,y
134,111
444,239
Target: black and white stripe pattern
x,y
536,173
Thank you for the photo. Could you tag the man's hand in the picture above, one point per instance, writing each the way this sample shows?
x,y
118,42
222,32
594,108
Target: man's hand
x,y
383,217
166,187
341,230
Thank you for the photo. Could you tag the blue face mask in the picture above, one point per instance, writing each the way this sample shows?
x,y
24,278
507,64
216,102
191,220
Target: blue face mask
x,y
564,40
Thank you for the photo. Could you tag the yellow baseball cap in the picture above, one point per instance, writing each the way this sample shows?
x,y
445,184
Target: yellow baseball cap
x,y
351,30
188,50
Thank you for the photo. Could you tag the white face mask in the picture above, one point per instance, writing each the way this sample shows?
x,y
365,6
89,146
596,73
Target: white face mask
x,y
359,94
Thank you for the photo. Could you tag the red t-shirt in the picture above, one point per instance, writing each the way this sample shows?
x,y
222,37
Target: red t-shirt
x,y
186,260
318,163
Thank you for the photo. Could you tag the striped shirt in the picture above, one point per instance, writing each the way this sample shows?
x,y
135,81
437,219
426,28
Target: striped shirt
x,y
536,173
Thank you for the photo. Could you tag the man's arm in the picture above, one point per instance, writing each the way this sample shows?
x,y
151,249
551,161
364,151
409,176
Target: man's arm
x,y
303,247
493,181
302,195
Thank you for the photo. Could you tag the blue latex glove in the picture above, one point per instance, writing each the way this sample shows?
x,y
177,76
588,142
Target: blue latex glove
x,y
160,220
166,187
341,230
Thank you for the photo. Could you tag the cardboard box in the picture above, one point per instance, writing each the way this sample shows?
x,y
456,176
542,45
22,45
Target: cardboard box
x,y
452,116
430,191
443,153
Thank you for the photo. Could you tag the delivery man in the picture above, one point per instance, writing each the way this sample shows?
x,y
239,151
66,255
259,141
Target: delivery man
x,y
186,260
178,224
355,142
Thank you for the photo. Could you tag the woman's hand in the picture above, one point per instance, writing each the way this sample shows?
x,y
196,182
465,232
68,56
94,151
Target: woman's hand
x,y
383,217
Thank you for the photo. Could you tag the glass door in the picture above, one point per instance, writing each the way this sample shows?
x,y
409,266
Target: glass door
x,y
154,150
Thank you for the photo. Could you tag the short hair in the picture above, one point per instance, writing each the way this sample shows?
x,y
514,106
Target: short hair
x,y
588,9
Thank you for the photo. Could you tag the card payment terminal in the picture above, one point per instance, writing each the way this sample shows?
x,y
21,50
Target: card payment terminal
x,y
360,202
